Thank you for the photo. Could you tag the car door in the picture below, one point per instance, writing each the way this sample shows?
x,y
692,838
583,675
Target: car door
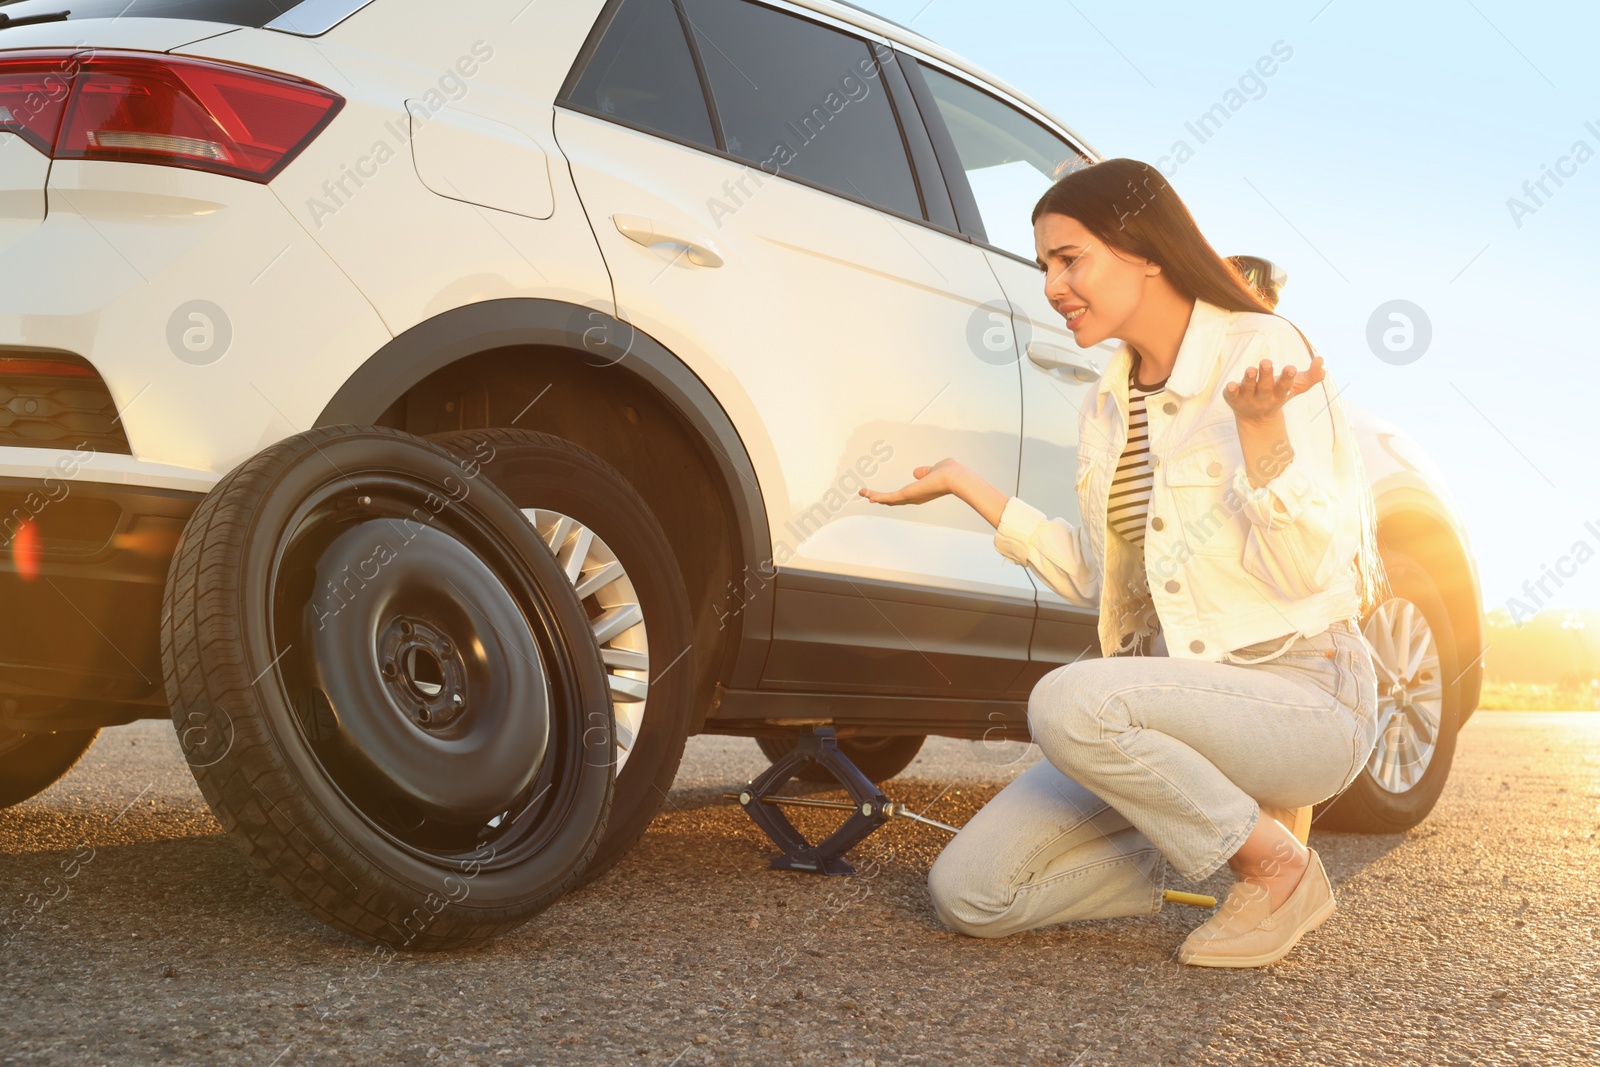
x,y
1000,158
750,174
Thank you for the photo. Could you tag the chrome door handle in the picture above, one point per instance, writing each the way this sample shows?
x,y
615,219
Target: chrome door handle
x,y
650,234
1084,366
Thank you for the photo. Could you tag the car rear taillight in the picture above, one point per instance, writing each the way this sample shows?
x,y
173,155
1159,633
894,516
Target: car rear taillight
x,y
150,107
32,95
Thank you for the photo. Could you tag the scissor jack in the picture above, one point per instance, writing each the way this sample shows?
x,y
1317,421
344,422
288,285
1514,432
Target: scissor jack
x,y
868,806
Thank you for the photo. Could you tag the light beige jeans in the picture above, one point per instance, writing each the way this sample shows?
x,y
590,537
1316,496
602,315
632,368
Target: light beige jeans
x,y
1150,759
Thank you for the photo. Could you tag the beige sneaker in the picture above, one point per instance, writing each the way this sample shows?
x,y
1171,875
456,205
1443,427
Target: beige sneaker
x,y
1245,932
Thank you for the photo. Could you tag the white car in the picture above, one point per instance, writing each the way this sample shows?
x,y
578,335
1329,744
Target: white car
x,y
678,276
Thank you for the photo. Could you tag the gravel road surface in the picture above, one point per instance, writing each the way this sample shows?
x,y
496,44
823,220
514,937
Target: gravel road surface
x,y
1473,939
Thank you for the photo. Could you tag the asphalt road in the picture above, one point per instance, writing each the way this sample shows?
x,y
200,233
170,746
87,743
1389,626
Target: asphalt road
x,y
1475,938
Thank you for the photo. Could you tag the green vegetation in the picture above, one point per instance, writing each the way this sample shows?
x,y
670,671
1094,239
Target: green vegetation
x,y
1522,696
1549,662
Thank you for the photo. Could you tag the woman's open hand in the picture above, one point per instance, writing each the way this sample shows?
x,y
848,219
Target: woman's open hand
x,y
931,484
1260,395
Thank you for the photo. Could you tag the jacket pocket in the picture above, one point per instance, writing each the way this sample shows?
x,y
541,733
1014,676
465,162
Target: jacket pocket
x,y
1198,480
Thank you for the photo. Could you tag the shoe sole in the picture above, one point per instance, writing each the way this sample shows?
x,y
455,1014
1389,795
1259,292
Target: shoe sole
x,y
1318,917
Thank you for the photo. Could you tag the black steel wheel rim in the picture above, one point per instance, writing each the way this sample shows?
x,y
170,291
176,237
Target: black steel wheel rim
x,y
424,669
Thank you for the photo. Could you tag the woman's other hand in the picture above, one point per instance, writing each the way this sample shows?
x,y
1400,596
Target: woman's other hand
x,y
941,479
1260,395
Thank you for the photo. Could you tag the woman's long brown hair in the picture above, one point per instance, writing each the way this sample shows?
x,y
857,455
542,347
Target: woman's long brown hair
x,y
1130,206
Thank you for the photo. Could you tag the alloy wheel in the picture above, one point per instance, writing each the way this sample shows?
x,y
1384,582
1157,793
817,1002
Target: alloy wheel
x,y
609,596
1410,694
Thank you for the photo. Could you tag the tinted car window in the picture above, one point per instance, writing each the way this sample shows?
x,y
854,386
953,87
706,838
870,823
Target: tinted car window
x,y
802,100
644,74
255,13
1010,159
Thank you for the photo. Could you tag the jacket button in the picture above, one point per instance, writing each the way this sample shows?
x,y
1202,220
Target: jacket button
x,y
1170,408
1197,646
1214,469
1172,586
1156,523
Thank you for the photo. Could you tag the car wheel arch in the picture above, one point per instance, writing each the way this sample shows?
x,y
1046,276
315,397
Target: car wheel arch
x,y
1424,537
464,343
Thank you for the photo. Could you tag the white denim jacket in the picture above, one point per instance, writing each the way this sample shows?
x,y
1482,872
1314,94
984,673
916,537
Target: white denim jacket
x,y
1226,565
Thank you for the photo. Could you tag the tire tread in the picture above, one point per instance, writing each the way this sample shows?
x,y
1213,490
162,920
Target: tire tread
x,y
205,671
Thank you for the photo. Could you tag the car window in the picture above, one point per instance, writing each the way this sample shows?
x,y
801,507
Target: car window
x,y
803,100
1010,159
643,74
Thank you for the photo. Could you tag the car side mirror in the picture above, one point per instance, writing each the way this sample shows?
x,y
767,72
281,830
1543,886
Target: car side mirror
x,y
1265,276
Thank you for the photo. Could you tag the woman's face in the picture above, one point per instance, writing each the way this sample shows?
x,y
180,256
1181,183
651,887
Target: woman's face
x,y
1089,284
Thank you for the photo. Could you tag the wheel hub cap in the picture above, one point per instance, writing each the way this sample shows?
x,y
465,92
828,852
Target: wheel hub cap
x,y
424,673
436,688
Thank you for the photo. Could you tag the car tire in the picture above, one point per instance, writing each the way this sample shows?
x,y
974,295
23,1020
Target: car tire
x,y
347,613
1412,644
32,763
578,502
880,758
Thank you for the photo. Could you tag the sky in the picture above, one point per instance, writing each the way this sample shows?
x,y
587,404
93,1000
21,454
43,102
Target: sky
x,y
1378,164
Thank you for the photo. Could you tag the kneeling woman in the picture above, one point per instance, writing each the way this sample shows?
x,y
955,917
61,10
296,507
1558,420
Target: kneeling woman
x,y
1227,523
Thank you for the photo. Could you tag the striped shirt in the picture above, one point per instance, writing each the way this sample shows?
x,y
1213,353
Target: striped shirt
x,y
1129,506
1129,502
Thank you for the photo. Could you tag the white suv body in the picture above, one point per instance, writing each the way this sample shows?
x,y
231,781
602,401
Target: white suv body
x,y
493,231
